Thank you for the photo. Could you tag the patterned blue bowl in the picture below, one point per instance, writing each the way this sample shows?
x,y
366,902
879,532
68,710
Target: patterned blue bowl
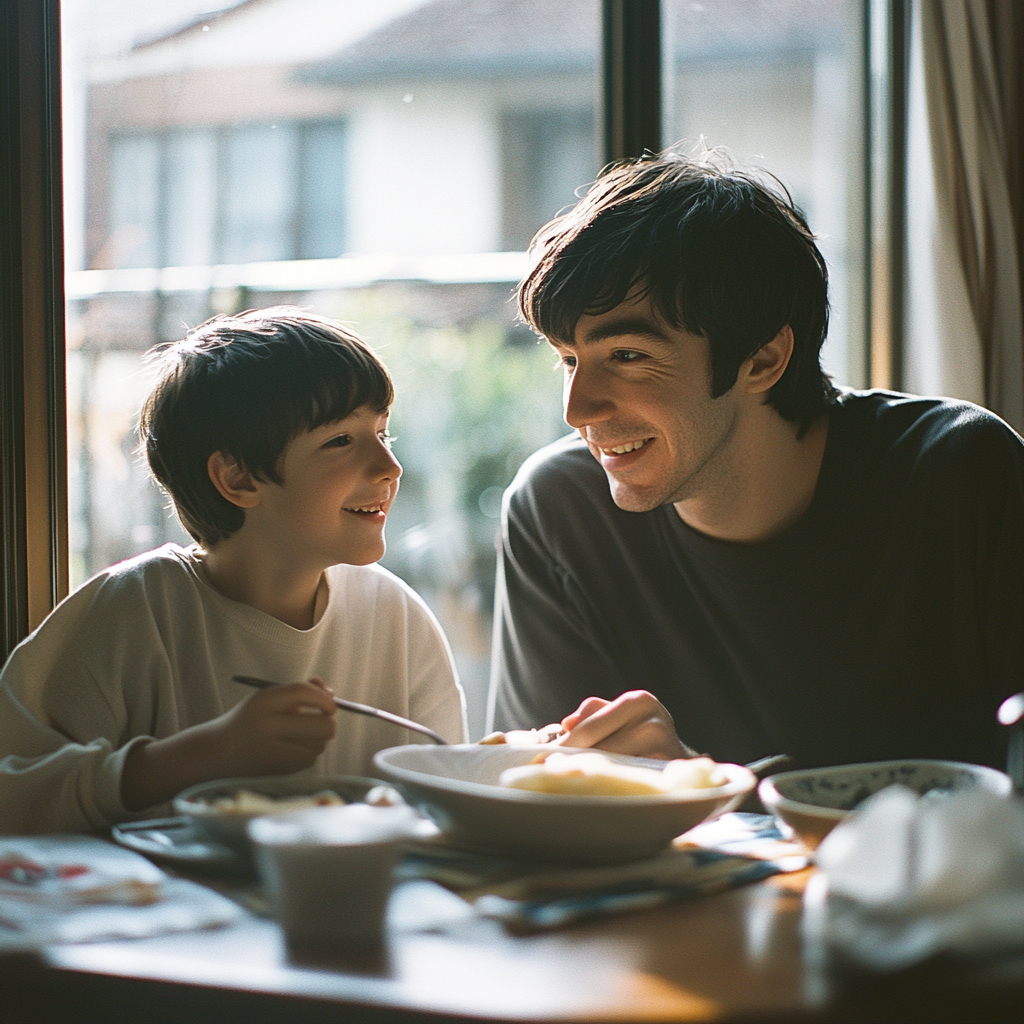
x,y
813,801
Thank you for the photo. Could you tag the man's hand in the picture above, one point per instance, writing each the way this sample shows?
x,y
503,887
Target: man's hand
x,y
275,731
634,723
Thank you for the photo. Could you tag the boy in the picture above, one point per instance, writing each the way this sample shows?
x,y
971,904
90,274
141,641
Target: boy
x,y
269,432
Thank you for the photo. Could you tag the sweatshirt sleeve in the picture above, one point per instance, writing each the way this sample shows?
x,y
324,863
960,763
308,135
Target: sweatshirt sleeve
x,y
64,725
54,776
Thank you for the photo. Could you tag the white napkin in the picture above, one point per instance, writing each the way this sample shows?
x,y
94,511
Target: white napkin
x,y
906,877
70,888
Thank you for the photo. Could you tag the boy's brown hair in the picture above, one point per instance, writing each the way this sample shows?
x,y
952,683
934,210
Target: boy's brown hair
x,y
246,385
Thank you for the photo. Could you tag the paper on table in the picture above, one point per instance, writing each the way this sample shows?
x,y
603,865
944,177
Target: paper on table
x,y
908,877
70,888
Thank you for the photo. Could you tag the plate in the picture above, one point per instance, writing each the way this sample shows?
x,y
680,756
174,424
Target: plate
x,y
178,841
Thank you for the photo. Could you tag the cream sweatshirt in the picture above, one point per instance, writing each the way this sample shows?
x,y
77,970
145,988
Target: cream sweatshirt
x,y
148,648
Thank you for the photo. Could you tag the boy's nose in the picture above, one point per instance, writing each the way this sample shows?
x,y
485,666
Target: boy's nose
x,y
387,467
584,400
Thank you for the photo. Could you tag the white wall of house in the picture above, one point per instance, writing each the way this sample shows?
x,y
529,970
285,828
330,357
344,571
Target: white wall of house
x,y
425,174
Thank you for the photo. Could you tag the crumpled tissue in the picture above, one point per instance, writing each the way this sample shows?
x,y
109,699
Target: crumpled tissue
x,y
908,877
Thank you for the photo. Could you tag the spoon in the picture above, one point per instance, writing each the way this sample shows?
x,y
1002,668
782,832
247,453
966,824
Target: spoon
x,y
359,709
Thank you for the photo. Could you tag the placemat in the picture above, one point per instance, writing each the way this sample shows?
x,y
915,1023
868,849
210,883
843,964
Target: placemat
x,y
732,850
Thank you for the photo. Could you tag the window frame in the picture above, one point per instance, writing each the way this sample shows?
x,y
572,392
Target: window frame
x,y
33,414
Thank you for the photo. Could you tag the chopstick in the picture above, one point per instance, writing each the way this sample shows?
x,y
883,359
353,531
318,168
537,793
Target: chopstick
x,y
359,709
762,765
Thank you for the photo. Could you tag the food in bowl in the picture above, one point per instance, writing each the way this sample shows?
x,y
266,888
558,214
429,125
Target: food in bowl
x,y
223,808
245,801
812,801
526,737
595,774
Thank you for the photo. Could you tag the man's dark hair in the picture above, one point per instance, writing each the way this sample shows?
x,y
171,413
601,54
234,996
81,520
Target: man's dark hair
x,y
246,385
720,253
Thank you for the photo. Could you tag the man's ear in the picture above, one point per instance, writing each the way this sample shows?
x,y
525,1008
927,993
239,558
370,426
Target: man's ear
x,y
763,369
232,481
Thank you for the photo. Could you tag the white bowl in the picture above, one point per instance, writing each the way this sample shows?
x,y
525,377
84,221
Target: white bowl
x,y
812,801
458,787
230,827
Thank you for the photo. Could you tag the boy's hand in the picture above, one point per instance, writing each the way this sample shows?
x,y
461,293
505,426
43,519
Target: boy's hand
x,y
275,731
634,723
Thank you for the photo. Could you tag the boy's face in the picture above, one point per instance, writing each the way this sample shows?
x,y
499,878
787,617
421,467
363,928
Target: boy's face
x,y
338,483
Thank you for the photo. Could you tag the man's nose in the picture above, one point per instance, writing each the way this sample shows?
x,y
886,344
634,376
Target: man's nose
x,y
585,399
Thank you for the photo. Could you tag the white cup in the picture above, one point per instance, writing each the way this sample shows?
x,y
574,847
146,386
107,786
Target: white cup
x,y
330,870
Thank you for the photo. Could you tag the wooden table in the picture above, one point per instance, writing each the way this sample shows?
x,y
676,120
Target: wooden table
x,y
735,957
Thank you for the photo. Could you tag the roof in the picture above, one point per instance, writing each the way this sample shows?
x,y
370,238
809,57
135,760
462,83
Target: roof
x,y
451,39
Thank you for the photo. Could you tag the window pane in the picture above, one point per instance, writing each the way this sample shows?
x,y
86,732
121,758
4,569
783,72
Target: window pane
x,y
190,197
322,192
408,144
778,86
548,153
258,198
134,214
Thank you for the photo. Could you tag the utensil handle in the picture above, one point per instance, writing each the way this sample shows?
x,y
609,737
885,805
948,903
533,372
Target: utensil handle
x,y
762,765
359,709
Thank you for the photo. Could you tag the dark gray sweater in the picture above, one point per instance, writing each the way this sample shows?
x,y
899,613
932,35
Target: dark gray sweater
x,y
888,622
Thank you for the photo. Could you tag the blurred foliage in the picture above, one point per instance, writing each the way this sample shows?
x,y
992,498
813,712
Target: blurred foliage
x,y
475,396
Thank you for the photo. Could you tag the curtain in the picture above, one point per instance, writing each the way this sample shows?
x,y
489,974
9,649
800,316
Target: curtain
x,y
970,66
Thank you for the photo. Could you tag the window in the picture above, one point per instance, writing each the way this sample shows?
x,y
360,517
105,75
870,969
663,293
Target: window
x,y
196,197
418,144
547,154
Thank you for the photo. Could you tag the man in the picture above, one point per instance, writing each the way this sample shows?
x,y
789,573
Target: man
x,y
765,563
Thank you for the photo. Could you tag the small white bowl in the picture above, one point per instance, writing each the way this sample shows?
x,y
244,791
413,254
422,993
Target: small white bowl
x,y
229,827
329,871
813,801
458,787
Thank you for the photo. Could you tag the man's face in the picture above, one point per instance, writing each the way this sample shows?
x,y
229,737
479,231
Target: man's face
x,y
639,393
338,483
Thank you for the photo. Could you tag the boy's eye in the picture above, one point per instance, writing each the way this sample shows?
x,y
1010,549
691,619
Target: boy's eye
x,y
387,439
341,441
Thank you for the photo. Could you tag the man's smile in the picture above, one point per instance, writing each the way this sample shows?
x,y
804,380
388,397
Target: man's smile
x,y
626,446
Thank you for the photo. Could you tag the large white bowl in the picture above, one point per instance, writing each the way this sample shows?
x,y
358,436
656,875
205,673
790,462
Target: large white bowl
x,y
458,787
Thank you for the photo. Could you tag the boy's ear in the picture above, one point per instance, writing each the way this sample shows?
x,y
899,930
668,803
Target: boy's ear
x,y
768,363
232,481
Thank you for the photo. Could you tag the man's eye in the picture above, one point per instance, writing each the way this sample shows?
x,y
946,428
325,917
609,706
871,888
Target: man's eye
x,y
565,363
626,356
